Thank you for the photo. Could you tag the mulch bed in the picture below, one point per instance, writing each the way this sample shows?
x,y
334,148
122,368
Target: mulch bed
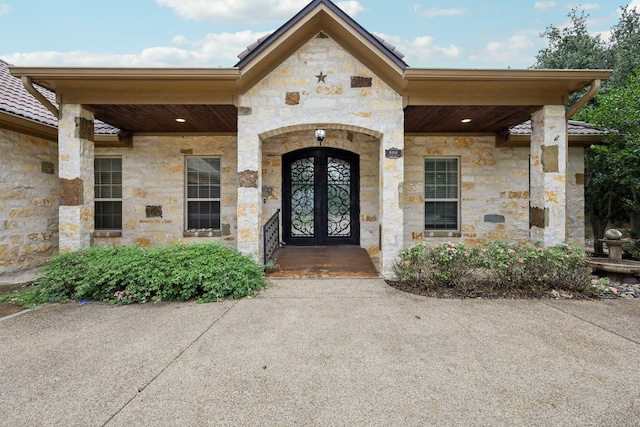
x,y
484,290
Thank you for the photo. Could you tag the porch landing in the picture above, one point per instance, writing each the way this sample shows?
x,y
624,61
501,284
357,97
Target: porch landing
x,y
322,262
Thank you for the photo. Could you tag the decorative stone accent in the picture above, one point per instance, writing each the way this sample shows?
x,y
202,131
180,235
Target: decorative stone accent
x,y
84,128
538,217
248,179
153,211
292,98
48,168
72,191
494,218
244,111
359,81
550,158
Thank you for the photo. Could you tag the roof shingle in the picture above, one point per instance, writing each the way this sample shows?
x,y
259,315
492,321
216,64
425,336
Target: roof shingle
x,y
15,100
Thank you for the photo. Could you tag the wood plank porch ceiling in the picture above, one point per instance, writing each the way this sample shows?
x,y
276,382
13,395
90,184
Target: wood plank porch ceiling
x,y
223,118
149,100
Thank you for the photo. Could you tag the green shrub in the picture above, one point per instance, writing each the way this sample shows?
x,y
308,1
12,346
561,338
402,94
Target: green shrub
x,y
208,272
499,265
534,268
444,264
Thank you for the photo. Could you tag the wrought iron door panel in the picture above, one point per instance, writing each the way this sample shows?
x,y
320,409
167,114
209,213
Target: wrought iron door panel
x,y
303,198
320,197
338,198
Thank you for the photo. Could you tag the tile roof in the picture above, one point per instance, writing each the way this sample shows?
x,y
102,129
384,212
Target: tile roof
x,y
574,128
15,100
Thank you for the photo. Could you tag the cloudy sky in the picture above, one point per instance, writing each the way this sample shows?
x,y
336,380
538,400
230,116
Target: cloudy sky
x,y
211,33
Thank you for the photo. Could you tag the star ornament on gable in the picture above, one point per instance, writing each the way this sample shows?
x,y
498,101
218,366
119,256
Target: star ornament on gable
x,y
321,77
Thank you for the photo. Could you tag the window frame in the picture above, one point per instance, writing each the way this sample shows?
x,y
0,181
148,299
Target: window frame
x,y
108,199
457,199
188,199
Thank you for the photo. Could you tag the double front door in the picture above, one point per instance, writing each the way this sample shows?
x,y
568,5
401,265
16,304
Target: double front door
x,y
321,197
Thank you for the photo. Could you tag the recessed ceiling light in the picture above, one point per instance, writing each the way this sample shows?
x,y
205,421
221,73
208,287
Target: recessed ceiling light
x,y
180,120
465,120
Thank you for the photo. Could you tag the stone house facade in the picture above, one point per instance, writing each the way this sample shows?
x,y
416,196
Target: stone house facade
x,y
157,156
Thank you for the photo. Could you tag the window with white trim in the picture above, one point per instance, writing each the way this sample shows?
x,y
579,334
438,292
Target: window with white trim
x,y
441,193
107,173
203,193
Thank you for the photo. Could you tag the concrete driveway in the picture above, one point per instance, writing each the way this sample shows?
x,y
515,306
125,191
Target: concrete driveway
x,y
324,352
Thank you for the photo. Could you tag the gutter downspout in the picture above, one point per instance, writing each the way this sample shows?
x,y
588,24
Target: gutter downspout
x,y
28,85
593,90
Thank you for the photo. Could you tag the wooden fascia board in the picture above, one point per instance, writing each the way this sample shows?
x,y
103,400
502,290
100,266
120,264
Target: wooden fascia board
x,y
577,78
29,127
525,140
109,140
137,86
322,19
495,87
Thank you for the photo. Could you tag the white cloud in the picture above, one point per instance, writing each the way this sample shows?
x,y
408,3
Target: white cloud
x,y
351,8
213,51
635,4
544,5
245,11
516,50
433,12
4,9
422,50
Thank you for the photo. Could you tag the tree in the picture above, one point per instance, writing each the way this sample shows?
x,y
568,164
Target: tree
x,y
573,47
625,46
612,170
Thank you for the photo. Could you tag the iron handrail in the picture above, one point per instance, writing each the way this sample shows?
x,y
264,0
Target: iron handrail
x,y
271,236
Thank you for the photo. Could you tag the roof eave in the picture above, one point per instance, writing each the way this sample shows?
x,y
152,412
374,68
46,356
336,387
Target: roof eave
x,y
26,126
136,85
524,140
495,87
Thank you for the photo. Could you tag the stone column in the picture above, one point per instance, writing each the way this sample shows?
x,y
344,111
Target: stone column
x,y
75,156
548,195
391,198
249,186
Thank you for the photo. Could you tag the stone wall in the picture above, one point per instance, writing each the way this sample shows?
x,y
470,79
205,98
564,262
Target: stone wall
x,y
575,197
322,84
363,145
153,205
29,199
494,190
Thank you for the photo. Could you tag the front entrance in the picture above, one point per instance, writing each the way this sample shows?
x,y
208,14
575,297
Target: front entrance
x,y
321,197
